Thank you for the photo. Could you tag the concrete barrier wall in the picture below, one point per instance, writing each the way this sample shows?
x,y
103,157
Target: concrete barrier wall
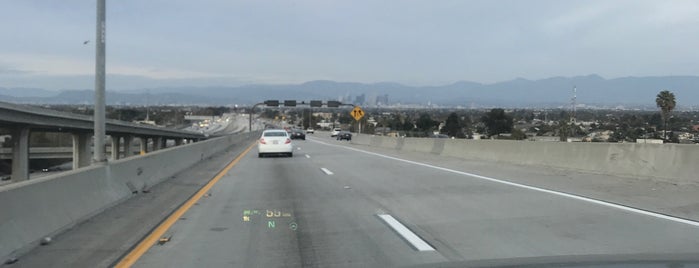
x,y
676,163
36,208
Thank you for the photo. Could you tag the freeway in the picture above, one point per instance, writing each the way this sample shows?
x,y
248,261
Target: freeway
x,y
228,123
328,206
335,204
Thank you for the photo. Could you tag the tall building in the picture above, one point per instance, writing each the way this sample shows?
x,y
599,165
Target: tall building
x,y
359,100
382,100
370,100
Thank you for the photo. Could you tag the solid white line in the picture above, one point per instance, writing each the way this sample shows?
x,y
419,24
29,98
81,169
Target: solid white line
x,y
328,172
308,156
408,235
572,196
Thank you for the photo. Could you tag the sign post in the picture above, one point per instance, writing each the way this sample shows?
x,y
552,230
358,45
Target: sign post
x,y
357,114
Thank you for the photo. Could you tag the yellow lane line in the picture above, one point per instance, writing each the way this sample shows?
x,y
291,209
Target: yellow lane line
x,y
150,240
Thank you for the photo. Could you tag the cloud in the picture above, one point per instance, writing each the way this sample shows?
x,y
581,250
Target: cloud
x,y
10,71
674,13
57,65
415,42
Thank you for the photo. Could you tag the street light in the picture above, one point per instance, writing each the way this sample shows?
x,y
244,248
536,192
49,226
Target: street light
x,y
252,109
99,112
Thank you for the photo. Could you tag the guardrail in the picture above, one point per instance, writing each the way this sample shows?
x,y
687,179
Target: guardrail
x,y
675,163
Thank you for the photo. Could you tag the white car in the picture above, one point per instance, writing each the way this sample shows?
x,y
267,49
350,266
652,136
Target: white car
x,y
310,130
335,132
275,141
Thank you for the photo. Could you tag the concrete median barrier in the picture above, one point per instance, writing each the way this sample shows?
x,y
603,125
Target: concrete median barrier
x,y
375,141
363,139
675,163
33,209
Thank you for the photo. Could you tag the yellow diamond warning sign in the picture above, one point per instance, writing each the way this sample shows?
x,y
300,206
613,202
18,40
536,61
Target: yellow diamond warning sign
x,y
357,113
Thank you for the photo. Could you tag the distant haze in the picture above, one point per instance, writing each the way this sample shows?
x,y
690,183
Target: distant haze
x,y
592,90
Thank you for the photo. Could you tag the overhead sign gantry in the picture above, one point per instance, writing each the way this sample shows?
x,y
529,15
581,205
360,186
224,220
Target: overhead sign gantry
x,y
294,103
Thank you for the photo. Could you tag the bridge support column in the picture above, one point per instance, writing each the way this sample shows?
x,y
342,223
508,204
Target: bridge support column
x,y
116,143
179,141
144,145
81,150
128,151
20,154
158,143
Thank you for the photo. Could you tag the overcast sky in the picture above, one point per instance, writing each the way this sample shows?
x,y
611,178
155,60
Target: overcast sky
x,y
228,42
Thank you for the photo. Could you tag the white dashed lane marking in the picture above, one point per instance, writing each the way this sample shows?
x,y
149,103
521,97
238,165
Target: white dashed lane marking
x,y
404,232
328,172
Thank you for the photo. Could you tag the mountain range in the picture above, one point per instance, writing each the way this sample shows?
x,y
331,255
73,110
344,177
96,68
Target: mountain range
x,y
550,92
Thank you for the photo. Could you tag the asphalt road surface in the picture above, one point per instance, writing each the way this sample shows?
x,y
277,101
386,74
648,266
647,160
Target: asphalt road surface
x,y
336,206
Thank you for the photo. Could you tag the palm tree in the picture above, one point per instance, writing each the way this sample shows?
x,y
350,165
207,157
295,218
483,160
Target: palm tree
x,y
666,102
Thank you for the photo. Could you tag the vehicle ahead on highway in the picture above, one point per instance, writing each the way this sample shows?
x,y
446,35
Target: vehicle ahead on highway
x,y
335,132
275,141
344,135
297,134
310,131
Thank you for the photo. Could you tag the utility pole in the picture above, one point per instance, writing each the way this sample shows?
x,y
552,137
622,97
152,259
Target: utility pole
x,y
147,105
574,105
99,113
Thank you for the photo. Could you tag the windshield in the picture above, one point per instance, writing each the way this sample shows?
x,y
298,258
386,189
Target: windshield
x,y
275,134
361,133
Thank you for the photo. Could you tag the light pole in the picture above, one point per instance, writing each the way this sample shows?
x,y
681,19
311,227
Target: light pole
x,y
250,116
99,112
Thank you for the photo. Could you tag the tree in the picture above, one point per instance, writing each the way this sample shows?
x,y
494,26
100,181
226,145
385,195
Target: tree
x,y
394,123
345,118
452,126
666,102
563,130
407,125
425,123
518,134
496,122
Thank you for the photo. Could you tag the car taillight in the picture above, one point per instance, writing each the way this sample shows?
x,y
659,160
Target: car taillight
x,y
287,141
262,141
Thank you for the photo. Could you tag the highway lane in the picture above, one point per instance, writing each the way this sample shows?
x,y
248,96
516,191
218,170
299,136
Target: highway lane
x,y
324,219
473,217
334,227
